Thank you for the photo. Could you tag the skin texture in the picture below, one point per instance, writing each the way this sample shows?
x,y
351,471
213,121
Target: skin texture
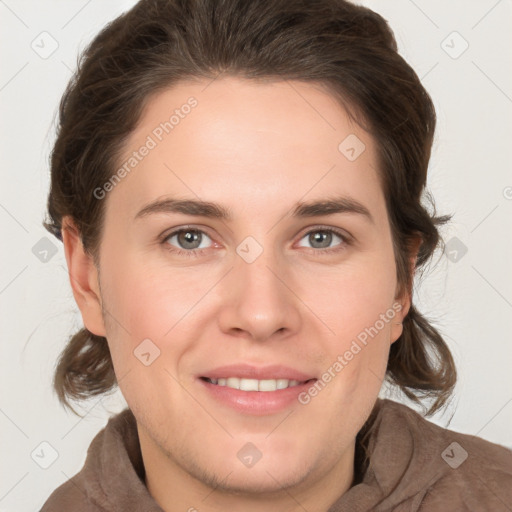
x,y
257,148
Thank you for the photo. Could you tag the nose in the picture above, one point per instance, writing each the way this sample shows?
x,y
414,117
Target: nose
x,y
258,300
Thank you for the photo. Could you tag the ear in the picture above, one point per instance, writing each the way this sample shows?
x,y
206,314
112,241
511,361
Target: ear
x,y
83,277
405,299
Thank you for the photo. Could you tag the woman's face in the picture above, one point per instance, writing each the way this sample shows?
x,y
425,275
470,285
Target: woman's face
x,y
278,289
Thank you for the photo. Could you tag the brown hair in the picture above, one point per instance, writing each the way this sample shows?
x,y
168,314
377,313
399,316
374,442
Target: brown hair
x,y
347,48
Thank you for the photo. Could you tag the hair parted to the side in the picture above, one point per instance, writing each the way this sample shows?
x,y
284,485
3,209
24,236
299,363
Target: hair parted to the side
x,y
346,48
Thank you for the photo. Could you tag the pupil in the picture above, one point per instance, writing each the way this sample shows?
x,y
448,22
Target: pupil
x,y
189,237
322,235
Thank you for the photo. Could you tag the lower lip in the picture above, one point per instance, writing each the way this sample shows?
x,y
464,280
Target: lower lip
x,y
256,402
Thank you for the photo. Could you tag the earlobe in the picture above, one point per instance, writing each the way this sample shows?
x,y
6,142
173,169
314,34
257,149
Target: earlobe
x,y
83,277
397,327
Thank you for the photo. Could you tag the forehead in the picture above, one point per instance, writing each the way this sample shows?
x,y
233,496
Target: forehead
x,y
246,144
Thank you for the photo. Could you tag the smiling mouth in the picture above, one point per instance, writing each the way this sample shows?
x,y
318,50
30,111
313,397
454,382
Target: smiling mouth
x,y
256,384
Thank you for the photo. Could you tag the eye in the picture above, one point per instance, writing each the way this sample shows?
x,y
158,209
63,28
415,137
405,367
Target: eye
x,y
322,238
187,241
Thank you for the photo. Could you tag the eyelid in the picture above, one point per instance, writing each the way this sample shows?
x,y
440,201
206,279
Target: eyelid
x,y
319,227
346,238
175,231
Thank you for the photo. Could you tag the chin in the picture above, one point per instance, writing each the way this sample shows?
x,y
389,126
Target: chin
x,y
268,478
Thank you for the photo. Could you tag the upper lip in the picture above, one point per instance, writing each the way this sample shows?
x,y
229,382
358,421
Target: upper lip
x,y
246,371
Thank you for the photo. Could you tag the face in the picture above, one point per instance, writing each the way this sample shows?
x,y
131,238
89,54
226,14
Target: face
x,y
276,290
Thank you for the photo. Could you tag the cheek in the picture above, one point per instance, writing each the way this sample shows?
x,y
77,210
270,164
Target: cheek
x,y
352,298
149,300
144,324
356,304
163,305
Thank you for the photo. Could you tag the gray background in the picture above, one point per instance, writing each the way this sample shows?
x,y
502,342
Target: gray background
x,y
468,295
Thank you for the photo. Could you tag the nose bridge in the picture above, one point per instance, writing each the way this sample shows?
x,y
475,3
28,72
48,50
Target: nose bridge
x,y
258,278
259,302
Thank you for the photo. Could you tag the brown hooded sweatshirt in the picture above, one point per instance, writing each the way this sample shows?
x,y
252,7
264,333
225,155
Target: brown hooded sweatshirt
x,y
414,465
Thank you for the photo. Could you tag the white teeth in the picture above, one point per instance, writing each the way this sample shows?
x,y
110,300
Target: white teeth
x,y
282,383
233,382
255,384
270,385
248,384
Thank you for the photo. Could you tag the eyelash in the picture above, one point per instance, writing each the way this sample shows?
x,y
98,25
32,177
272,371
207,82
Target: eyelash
x,y
346,241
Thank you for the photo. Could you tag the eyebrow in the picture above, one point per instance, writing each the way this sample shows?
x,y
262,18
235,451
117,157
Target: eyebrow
x,y
199,208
